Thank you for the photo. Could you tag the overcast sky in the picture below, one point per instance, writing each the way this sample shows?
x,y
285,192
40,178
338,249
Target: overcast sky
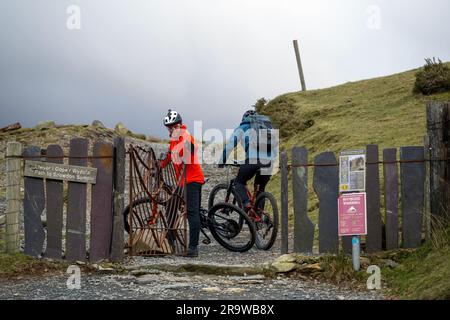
x,y
209,59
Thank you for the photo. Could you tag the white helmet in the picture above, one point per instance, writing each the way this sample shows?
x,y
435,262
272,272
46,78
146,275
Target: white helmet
x,y
172,118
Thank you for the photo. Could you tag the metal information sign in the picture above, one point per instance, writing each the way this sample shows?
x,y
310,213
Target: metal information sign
x,y
55,171
352,171
352,217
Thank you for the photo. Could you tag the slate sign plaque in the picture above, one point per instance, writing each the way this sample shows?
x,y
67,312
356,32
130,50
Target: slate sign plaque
x,y
56,171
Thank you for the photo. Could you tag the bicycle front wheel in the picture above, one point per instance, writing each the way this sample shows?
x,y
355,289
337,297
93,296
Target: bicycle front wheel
x,y
220,193
224,224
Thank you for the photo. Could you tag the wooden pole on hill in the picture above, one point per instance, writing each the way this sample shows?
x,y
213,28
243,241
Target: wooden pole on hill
x,y
299,65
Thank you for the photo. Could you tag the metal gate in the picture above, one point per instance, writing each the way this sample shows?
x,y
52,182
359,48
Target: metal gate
x,y
157,218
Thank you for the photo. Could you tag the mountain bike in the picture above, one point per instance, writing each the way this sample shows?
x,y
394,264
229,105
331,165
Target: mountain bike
x,y
227,223
263,211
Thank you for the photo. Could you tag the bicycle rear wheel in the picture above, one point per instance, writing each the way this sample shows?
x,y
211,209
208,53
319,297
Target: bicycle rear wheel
x,y
223,223
267,228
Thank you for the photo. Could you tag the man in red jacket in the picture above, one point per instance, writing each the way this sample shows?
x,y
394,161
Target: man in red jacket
x,y
183,150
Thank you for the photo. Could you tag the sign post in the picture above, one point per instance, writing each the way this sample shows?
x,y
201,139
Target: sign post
x,y
352,213
356,253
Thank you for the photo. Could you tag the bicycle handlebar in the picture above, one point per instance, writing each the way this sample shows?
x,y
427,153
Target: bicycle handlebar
x,y
234,164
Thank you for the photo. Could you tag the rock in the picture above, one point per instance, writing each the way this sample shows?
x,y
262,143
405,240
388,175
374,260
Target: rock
x,y
310,268
140,136
121,129
98,124
176,286
147,279
45,125
11,127
211,289
248,278
235,290
390,263
340,297
283,267
287,258
105,268
365,262
141,272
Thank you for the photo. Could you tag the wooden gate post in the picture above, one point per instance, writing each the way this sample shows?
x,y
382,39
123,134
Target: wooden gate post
x,y
13,152
438,117
303,226
117,244
284,203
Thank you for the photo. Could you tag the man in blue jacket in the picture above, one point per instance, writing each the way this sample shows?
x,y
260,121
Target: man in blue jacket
x,y
260,142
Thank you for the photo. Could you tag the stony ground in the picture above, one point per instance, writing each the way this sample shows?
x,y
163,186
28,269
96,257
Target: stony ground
x,y
149,278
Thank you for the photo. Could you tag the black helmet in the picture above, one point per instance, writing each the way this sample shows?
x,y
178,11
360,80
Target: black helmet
x,y
248,113
172,118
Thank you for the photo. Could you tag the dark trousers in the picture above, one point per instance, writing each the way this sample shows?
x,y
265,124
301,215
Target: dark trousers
x,y
194,196
247,172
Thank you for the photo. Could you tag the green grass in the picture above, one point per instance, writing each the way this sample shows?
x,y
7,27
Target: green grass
x,y
382,111
19,265
425,273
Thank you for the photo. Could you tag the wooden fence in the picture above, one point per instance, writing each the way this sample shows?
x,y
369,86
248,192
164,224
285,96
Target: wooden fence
x,y
407,171
415,188
91,230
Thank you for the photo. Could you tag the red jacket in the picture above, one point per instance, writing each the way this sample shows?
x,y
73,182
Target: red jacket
x,y
184,150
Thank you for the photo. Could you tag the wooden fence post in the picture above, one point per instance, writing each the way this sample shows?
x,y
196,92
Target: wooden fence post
x,y
412,178
427,214
438,117
374,227
14,149
299,65
33,207
117,244
102,203
326,186
390,173
76,204
55,206
284,203
303,226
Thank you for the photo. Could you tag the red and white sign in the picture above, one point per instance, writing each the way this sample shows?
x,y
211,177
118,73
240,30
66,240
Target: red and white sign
x,y
352,218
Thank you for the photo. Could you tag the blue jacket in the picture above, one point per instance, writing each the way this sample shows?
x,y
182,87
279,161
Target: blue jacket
x,y
249,142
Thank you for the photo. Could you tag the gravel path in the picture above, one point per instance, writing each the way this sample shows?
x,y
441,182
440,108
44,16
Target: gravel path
x,y
164,285
168,286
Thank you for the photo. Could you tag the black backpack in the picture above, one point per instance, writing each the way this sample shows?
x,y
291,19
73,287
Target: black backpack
x,y
260,122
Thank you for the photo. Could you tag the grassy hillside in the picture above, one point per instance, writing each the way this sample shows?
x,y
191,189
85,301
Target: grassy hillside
x,y
381,111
